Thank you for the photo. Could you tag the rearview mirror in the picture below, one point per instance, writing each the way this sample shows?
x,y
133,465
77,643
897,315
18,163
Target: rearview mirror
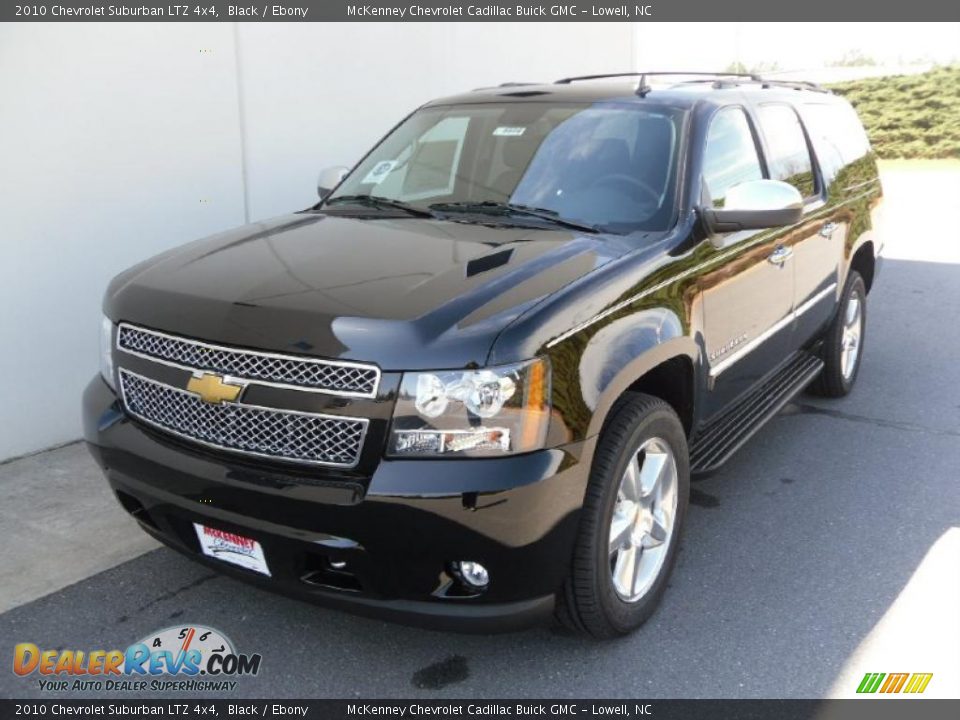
x,y
329,178
755,205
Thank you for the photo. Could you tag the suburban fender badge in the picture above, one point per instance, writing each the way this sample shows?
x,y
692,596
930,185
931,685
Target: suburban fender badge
x,y
730,345
213,389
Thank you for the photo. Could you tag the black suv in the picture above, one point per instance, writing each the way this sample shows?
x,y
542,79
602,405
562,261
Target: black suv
x,y
469,387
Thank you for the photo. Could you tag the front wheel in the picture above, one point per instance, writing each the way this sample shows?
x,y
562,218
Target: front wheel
x,y
632,517
843,341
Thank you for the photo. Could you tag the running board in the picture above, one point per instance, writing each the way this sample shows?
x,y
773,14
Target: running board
x,y
722,437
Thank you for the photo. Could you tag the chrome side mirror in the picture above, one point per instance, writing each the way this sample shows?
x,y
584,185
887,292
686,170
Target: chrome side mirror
x,y
755,205
329,178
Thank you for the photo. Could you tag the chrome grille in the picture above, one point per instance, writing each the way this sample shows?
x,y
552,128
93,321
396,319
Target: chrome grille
x,y
251,429
328,376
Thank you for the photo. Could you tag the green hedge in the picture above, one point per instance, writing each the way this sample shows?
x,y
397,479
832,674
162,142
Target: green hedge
x,y
909,116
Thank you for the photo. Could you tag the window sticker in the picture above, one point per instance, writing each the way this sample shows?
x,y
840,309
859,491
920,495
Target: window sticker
x,y
379,172
506,131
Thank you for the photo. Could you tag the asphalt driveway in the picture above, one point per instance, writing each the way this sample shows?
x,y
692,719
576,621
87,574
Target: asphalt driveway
x,y
828,547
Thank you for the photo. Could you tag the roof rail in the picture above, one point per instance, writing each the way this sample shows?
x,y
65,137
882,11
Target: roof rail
x,y
568,80
770,83
719,79
505,85
795,84
643,88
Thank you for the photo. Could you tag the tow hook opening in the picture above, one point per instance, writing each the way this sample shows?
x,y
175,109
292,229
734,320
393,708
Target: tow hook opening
x,y
330,572
135,508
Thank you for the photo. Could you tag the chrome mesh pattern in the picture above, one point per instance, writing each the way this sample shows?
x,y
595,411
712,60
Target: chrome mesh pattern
x,y
279,434
326,375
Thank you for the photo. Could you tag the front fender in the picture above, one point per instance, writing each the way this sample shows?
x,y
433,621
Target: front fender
x,y
589,375
624,351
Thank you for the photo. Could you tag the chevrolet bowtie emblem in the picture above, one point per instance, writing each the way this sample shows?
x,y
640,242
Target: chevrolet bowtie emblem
x,y
212,389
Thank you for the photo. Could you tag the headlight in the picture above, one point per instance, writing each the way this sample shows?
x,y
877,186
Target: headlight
x,y
106,351
495,411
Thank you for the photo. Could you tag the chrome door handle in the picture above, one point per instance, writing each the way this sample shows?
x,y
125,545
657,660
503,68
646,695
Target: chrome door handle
x,y
780,255
828,230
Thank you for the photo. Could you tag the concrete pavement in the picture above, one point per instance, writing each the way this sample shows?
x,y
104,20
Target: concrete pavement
x,y
60,524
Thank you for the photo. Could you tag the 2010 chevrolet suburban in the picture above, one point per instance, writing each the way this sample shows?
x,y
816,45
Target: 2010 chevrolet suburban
x,y
469,386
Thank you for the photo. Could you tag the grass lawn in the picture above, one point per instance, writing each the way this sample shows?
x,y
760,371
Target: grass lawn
x,y
909,116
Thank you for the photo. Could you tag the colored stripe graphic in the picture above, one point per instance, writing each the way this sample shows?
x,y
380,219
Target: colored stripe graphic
x,y
894,682
870,682
918,682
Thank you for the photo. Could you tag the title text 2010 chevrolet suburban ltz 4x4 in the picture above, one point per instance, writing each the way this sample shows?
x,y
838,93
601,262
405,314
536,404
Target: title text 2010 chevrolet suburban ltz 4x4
x,y
470,386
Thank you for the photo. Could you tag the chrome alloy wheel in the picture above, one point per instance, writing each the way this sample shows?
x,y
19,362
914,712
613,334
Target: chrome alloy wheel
x,y
850,340
643,519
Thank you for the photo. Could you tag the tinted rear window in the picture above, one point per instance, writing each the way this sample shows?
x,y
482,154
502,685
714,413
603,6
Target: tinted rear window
x,y
837,135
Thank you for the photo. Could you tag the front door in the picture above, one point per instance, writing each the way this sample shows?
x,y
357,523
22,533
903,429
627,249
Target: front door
x,y
817,244
748,286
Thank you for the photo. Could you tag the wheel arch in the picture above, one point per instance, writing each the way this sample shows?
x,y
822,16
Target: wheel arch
x,y
864,261
666,371
671,381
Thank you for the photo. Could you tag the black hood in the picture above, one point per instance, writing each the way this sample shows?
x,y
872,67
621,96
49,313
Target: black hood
x,y
405,293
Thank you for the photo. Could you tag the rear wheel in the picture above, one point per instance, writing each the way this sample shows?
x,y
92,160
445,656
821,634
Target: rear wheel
x,y
632,517
843,341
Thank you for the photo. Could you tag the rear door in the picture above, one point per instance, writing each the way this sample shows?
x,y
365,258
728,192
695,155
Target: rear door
x,y
747,283
816,245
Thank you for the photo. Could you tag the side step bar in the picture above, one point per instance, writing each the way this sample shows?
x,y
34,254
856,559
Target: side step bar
x,y
723,436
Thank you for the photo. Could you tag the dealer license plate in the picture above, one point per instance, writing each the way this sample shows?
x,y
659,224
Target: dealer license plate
x,y
232,548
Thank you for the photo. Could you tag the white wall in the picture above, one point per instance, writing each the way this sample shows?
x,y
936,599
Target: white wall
x,y
119,140
116,142
317,96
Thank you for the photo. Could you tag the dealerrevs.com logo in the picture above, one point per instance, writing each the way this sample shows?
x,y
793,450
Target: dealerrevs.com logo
x,y
188,658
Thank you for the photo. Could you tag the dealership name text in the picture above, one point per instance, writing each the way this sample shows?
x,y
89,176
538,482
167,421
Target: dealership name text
x,y
511,11
415,709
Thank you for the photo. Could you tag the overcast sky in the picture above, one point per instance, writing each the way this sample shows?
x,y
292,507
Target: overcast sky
x,y
792,46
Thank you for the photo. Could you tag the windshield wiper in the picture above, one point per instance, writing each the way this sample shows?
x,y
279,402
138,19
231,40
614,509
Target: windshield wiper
x,y
500,208
381,202
553,216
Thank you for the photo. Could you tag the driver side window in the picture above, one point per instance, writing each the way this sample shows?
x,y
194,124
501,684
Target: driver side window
x,y
730,156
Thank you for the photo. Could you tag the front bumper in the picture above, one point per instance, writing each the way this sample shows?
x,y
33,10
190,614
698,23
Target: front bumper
x,y
397,531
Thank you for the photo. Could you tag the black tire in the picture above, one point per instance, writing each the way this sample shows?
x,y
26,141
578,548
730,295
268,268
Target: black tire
x,y
832,381
588,602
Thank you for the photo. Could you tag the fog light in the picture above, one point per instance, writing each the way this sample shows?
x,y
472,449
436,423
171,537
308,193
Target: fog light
x,y
472,573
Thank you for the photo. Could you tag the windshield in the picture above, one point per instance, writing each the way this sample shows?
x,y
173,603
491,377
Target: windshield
x,y
608,166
